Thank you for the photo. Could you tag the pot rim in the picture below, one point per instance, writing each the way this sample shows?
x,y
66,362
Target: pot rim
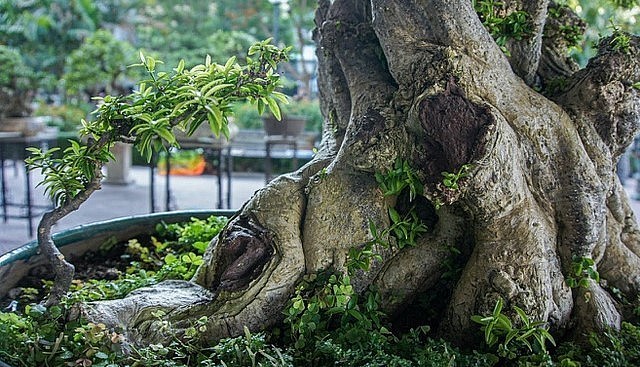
x,y
86,231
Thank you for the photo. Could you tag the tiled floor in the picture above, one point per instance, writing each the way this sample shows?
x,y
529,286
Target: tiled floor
x,y
188,192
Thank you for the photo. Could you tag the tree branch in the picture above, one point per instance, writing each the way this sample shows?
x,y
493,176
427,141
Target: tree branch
x,y
525,53
63,270
561,30
602,95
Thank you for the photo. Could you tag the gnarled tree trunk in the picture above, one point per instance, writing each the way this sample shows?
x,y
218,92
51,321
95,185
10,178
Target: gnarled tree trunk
x,y
422,80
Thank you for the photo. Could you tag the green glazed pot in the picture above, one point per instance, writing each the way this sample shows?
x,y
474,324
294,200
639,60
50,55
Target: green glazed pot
x,y
76,241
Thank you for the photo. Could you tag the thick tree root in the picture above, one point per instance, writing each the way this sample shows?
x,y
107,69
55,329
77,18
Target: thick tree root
x,y
250,272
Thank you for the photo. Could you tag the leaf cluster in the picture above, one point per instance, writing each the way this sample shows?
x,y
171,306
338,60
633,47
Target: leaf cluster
x,y
361,257
502,25
608,349
449,188
67,174
405,228
185,98
176,256
99,64
325,302
197,233
620,40
41,337
401,176
511,340
582,271
571,33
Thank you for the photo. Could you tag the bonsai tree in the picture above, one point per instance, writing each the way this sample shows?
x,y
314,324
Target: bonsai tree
x,y
98,66
183,99
446,166
16,84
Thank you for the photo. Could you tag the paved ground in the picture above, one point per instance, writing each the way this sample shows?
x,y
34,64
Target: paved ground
x,y
112,201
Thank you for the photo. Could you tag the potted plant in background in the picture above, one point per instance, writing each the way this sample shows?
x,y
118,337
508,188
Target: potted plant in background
x,y
18,86
96,68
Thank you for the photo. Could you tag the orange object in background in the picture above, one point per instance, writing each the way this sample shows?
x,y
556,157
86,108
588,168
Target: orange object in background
x,y
190,165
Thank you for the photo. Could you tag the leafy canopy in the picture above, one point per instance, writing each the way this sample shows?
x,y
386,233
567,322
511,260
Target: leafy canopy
x,y
183,98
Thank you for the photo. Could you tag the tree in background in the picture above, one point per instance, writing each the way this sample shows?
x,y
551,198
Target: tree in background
x,y
46,31
99,67
16,84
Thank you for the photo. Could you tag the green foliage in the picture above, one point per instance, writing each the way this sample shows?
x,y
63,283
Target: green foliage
x,y
177,256
180,267
620,40
46,31
401,176
248,350
69,174
98,65
571,33
451,180
502,27
509,340
330,325
598,16
324,302
449,188
609,349
16,83
627,4
360,258
246,117
582,270
197,233
185,98
328,322
66,117
404,227
40,337
189,31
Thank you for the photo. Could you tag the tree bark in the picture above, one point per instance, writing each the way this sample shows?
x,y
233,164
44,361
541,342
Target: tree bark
x,y
422,80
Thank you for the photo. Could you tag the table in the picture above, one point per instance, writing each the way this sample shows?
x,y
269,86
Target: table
x,y
212,146
13,147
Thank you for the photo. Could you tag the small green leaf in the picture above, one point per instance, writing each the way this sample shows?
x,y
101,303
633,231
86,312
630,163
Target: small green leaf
x,y
274,108
180,67
151,64
393,214
229,64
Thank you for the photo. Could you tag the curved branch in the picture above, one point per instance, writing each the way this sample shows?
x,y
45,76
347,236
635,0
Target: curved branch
x,y
63,270
525,53
602,95
560,29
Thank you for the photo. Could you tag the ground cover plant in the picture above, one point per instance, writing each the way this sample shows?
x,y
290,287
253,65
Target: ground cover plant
x,y
326,323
